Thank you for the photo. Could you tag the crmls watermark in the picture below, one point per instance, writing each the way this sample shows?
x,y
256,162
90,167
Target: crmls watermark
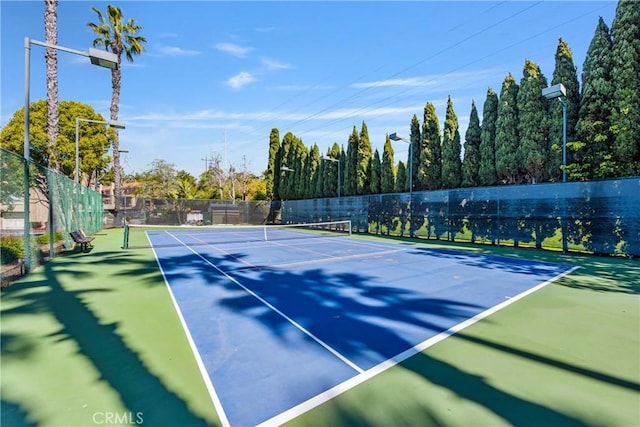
x,y
118,418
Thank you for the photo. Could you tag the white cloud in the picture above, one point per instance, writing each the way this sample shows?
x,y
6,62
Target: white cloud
x,y
303,87
448,80
177,51
265,29
167,35
208,115
274,65
233,49
241,79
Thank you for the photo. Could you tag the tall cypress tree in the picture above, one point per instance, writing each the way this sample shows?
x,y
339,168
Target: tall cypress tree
x,y
363,161
507,138
532,123
451,149
594,122
487,170
430,165
342,164
472,140
284,159
312,172
402,183
625,116
387,175
415,148
565,72
270,176
375,178
330,181
351,165
302,174
323,176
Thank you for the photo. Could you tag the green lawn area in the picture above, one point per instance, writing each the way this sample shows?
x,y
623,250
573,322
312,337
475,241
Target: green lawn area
x,y
95,335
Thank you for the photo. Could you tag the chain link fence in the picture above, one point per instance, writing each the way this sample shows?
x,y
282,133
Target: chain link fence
x,y
170,212
38,209
600,217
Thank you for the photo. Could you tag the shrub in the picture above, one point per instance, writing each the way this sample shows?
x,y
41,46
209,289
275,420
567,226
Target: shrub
x,y
11,249
43,239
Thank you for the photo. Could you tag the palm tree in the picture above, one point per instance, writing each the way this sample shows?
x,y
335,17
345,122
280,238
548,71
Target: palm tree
x,y
51,34
117,36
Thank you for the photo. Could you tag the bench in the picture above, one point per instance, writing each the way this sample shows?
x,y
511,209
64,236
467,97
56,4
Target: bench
x,y
81,239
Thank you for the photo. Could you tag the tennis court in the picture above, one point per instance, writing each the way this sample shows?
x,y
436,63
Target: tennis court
x,y
284,320
95,338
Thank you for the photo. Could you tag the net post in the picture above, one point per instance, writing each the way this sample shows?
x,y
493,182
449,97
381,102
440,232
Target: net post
x,y
264,229
125,242
349,223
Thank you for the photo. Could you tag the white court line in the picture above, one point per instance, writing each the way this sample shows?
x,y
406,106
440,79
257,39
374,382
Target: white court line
x,y
272,307
217,404
327,395
333,259
325,257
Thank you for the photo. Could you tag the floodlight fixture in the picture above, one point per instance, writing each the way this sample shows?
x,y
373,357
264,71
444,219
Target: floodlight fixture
x,y
555,91
395,137
116,124
286,169
102,58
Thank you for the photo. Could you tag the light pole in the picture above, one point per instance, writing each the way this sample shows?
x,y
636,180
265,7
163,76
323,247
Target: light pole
x,y
331,159
553,92
97,57
395,137
112,123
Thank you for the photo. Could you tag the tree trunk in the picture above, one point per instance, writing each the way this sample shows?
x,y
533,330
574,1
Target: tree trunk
x,y
51,36
116,76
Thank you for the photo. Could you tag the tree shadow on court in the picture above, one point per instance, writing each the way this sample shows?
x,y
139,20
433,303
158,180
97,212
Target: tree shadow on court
x,y
357,318
595,273
99,343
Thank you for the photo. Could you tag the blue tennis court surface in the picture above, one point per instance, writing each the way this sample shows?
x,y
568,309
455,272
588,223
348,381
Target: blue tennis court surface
x,y
282,326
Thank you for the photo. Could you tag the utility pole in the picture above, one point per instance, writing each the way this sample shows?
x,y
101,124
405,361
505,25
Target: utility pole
x,y
206,163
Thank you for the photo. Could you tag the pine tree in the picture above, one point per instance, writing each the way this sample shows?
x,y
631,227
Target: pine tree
x,y
532,123
375,177
472,140
270,176
387,175
565,72
415,143
625,116
363,161
351,165
451,149
594,122
430,165
487,170
507,138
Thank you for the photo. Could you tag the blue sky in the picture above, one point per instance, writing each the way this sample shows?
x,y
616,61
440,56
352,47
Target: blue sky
x,y
231,71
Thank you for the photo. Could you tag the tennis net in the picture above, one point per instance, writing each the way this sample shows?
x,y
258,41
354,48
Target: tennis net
x,y
144,236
